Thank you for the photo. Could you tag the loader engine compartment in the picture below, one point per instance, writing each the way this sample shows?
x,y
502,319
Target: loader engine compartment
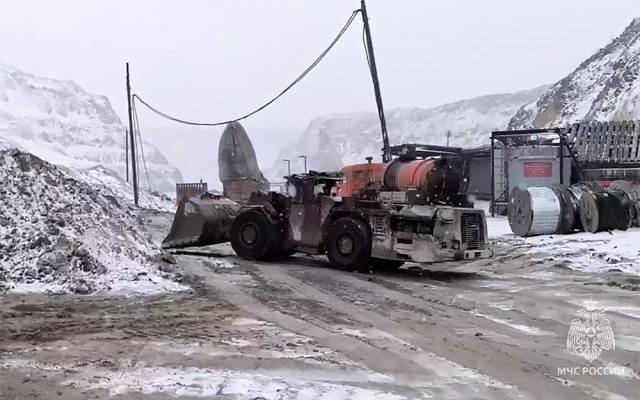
x,y
429,234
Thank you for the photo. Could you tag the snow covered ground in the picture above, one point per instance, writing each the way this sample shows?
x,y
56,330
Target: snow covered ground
x,y
200,382
588,252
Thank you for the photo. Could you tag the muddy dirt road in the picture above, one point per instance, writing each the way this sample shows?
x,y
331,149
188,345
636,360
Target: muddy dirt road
x,y
491,329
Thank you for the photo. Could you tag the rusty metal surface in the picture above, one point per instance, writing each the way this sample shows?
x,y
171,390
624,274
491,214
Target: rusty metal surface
x,y
359,176
433,178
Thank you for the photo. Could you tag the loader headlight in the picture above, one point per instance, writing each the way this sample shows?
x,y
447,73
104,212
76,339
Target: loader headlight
x,y
455,244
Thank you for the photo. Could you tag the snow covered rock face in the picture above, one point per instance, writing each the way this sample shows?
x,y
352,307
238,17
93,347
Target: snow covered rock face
x,y
604,87
61,123
332,141
58,234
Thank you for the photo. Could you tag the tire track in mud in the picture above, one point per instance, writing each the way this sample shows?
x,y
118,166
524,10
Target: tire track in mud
x,y
388,354
543,351
57,318
378,360
527,367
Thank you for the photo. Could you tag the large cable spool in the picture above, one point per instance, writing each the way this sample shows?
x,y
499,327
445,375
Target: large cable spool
x,y
604,210
633,192
569,219
534,211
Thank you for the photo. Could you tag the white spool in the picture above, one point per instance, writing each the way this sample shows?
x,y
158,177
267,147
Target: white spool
x,y
545,207
534,211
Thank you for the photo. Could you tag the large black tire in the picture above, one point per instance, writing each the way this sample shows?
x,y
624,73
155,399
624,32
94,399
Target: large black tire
x,y
349,244
253,236
385,265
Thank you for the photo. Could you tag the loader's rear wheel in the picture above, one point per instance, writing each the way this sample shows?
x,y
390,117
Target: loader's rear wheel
x,y
385,265
252,236
349,244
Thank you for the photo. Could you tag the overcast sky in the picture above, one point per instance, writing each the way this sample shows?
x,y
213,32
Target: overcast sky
x,y
216,59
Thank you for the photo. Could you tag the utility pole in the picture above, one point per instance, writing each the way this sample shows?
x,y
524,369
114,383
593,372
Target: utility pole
x,y
448,134
126,151
288,166
133,144
386,151
305,162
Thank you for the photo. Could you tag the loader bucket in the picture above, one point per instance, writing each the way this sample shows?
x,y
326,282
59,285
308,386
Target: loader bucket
x,y
201,221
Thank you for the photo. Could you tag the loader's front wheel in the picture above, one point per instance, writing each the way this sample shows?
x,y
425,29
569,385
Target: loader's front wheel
x,y
252,235
349,244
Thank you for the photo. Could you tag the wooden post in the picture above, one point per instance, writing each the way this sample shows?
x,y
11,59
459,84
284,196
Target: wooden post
x,y
386,151
133,144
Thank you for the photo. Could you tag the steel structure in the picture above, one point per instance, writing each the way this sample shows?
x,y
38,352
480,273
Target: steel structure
x,y
530,157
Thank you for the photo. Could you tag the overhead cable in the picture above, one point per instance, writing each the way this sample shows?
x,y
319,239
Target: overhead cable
x,y
268,103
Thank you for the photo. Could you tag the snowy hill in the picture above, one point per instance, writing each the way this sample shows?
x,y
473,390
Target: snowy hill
x,y
331,141
604,87
61,123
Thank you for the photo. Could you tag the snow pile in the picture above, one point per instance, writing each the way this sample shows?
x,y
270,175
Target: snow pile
x,y
331,141
59,234
588,252
604,87
61,123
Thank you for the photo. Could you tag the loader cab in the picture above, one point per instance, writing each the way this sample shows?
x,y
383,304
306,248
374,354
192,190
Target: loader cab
x,y
309,188
311,199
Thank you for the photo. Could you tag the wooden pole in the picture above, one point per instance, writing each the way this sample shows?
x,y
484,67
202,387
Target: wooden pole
x,y
386,151
134,170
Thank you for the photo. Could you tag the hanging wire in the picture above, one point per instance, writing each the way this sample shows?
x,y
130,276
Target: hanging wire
x,y
366,48
268,103
136,129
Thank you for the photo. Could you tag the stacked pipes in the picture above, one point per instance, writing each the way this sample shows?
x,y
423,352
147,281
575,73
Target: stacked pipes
x,y
580,207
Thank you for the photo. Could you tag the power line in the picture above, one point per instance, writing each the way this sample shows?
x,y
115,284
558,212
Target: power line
x,y
136,129
366,49
268,103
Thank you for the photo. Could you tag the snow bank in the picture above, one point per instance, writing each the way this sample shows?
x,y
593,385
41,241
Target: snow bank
x,y
589,252
59,234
